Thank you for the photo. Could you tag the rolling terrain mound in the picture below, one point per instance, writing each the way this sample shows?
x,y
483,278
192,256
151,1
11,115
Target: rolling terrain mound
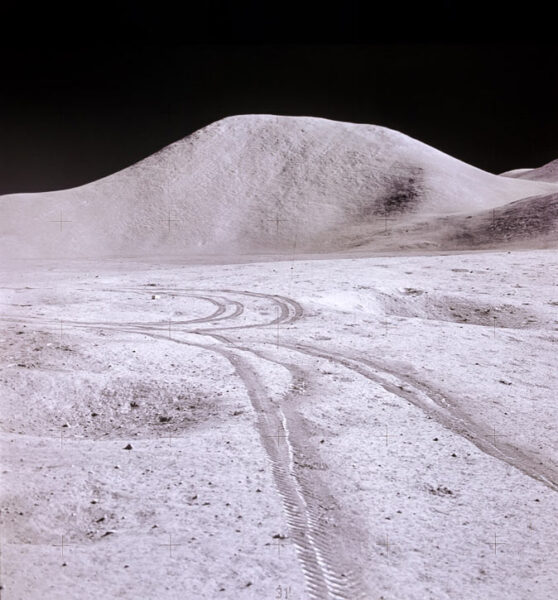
x,y
262,183
548,173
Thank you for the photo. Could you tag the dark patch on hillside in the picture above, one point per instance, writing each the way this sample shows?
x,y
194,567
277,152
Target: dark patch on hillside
x,y
402,195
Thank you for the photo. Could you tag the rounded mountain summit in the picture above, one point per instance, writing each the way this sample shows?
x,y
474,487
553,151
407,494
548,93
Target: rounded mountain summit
x,y
254,184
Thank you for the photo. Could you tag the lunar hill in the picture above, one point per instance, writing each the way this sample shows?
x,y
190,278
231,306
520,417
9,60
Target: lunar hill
x,y
272,184
548,172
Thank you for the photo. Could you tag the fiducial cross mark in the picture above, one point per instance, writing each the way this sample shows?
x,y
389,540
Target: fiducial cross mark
x,y
387,544
60,221
278,436
278,543
168,220
385,435
277,220
62,545
495,543
495,435
386,218
170,545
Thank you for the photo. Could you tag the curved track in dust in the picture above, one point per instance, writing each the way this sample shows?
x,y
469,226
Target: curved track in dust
x,y
327,571
436,405
432,401
319,547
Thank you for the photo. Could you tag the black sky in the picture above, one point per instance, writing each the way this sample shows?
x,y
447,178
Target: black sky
x,y
87,90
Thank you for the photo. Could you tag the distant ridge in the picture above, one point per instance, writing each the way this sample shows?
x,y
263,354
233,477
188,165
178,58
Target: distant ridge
x,y
548,173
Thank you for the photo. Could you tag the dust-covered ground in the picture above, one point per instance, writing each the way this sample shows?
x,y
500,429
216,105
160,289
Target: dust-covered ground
x,y
379,428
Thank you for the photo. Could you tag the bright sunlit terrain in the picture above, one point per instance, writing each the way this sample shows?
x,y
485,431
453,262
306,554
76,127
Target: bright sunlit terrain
x,y
282,358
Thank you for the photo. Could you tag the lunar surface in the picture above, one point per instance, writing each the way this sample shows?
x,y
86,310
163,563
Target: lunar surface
x,y
282,358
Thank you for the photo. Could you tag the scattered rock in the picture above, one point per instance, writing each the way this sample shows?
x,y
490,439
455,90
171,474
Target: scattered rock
x,y
108,532
128,447
413,292
440,491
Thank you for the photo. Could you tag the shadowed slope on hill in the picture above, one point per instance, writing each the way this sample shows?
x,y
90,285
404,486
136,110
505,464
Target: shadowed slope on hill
x,y
518,222
529,223
256,183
